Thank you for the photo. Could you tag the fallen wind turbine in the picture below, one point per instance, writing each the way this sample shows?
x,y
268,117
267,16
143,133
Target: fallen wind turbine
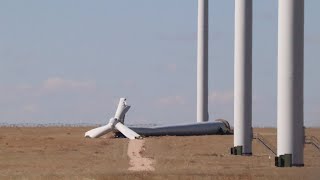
x,y
116,124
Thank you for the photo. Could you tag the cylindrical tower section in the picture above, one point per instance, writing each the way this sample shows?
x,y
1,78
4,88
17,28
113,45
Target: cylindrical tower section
x,y
243,76
290,128
202,62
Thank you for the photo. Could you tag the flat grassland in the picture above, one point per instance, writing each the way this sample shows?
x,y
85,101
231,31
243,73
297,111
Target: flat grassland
x,y
63,153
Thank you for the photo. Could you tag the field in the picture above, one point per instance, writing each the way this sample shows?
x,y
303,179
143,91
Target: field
x,y
63,153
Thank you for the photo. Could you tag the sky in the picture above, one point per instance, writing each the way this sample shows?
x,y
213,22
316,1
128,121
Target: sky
x,y
70,61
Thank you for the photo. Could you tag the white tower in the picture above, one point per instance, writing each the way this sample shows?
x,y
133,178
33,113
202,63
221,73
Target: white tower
x,y
290,130
202,62
243,76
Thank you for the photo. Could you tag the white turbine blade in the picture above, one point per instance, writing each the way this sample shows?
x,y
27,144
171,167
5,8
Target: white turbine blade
x,y
122,109
123,113
126,131
100,131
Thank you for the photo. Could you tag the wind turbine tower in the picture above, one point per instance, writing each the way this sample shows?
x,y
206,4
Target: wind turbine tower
x,y
202,62
243,78
290,129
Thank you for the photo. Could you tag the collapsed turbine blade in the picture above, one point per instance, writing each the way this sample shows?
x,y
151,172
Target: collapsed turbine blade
x,y
118,119
126,131
122,109
100,131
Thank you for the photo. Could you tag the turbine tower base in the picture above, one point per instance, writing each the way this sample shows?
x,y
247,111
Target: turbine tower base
x,y
285,161
238,150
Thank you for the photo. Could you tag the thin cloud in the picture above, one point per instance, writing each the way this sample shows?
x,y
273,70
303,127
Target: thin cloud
x,y
225,97
129,84
58,84
171,100
219,97
178,37
28,98
30,108
172,67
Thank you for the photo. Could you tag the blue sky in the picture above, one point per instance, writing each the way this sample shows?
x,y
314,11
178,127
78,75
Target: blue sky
x,y
70,61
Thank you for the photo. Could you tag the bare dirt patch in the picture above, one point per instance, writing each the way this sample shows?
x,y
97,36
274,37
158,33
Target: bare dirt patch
x,y
137,162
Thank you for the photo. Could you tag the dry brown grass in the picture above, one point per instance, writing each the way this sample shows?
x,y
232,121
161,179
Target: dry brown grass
x,y
63,153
